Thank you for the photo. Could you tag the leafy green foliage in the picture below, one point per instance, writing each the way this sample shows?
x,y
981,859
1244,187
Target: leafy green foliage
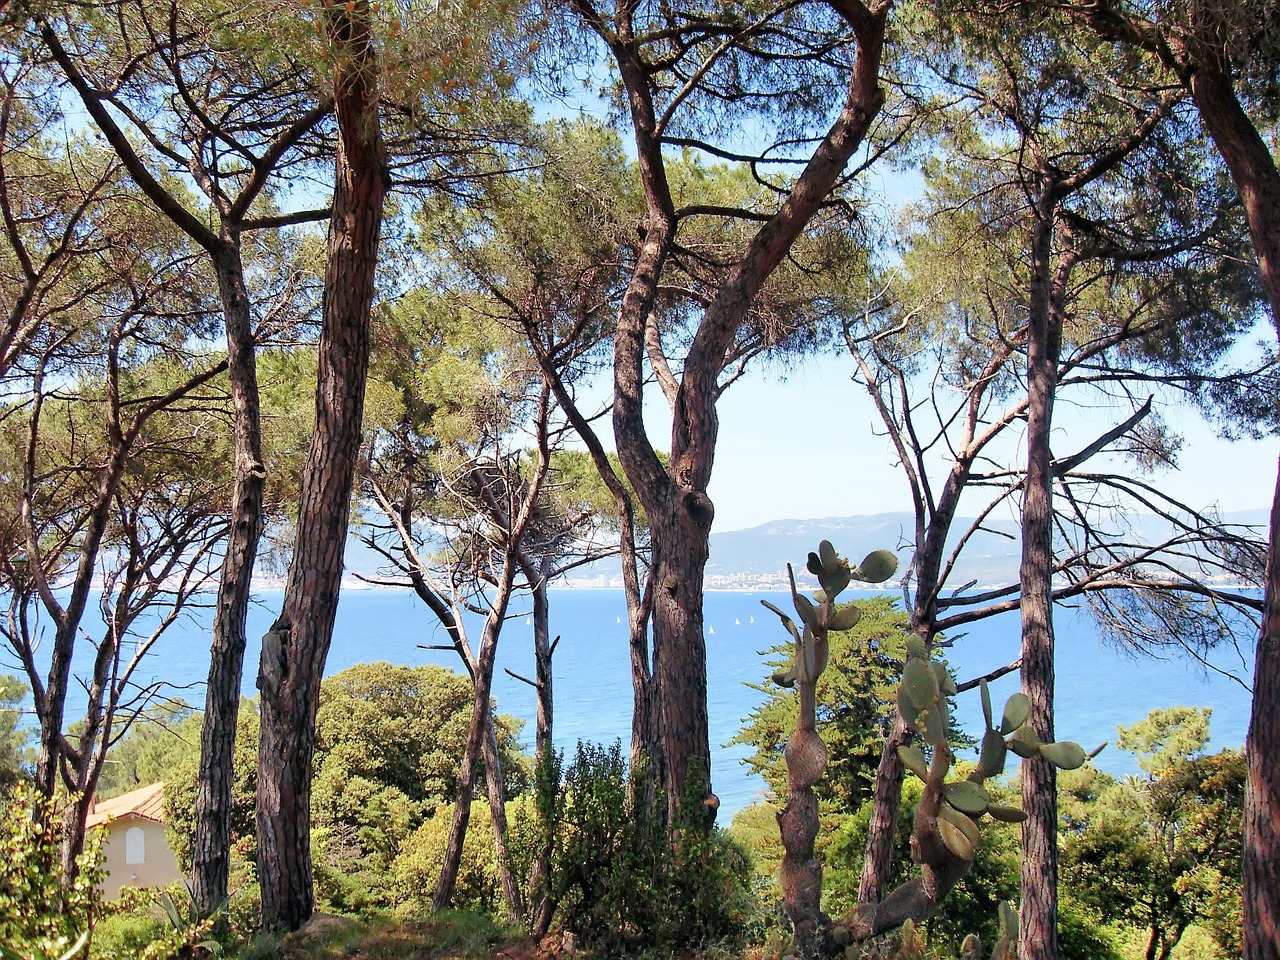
x,y
755,829
401,727
855,702
15,755
152,925
389,739
620,880
1166,736
40,918
1162,851
416,867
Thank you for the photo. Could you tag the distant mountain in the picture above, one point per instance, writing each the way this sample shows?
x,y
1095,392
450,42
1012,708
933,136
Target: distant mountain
x,y
764,551
757,558
992,555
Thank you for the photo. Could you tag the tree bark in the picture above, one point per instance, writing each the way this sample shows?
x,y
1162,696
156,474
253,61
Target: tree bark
x,y
1261,850
542,904
1038,915
495,787
51,698
1201,62
294,651
680,648
212,841
481,717
933,521
212,830
1254,173
675,496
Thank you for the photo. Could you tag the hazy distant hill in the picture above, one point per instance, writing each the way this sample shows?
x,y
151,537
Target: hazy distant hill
x,y
765,550
758,556
991,556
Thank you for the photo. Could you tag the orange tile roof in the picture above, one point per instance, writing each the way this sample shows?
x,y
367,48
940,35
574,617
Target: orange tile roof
x,y
146,802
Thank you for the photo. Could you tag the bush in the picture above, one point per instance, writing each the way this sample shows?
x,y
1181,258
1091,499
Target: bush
x,y
416,868
125,932
151,925
39,917
621,879
389,739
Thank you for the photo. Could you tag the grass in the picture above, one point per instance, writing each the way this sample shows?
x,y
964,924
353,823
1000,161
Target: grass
x,y
448,936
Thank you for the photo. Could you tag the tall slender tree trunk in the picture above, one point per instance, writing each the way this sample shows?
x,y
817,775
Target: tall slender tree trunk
x,y
882,828
1253,170
542,905
680,648
212,830
52,701
931,538
1262,789
212,842
481,714
544,679
55,693
294,651
495,787
648,766
1039,907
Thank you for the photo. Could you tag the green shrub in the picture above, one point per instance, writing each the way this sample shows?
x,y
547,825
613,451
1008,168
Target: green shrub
x,y
39,917
416,868
620,879
144,924
389,739
130,922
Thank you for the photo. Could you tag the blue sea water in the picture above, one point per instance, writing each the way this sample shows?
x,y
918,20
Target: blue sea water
x,y
1098,687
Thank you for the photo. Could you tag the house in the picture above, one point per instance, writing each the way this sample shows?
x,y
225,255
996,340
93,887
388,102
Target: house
x,y
135,850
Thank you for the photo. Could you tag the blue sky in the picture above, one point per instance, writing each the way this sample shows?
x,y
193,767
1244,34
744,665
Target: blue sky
x,y
769,467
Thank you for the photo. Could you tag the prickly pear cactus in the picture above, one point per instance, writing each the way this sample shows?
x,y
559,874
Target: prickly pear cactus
x,y
922,701
806,754
1006,946
946,831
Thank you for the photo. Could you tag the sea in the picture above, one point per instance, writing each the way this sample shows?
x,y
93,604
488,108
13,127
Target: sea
x,y
1098,686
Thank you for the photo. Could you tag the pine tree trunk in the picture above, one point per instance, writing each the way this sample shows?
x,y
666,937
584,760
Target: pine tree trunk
x,y
49,749
498,817
52,705
543,906
886,801
1254,173
1039,907
467,770
1262,788
481,718
647,759
886,796
212,841
294,651
680,648
675,496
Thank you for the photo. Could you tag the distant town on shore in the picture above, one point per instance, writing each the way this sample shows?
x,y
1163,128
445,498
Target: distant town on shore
x,y
756,558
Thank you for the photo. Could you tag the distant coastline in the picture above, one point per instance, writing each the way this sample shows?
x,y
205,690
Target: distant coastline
x,y
755,559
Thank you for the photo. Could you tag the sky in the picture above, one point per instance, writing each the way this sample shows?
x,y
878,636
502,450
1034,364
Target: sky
x,y
772,461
